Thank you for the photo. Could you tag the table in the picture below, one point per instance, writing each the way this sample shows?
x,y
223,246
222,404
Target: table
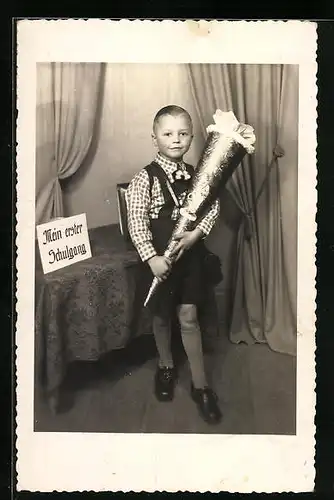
x,y
87,309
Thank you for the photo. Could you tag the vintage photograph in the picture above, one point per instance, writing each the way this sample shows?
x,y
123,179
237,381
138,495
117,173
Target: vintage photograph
x,y
215,348
164,308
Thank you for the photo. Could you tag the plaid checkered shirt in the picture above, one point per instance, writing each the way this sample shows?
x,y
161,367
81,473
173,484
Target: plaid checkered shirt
x,y
143,206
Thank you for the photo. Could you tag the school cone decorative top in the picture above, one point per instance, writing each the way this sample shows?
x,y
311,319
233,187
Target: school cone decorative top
x,y
227,143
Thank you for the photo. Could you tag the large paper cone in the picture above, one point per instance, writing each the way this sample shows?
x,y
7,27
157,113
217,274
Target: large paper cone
x,y
227,143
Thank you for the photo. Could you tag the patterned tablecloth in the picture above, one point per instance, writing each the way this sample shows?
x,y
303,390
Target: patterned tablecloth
x,y
87,309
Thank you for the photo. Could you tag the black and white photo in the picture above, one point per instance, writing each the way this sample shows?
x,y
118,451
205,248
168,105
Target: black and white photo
x,y
195,173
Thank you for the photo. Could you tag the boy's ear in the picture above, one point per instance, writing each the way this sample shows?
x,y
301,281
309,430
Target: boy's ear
x,y
154,139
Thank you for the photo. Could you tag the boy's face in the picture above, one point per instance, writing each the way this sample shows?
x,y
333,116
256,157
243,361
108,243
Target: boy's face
x,y
172,136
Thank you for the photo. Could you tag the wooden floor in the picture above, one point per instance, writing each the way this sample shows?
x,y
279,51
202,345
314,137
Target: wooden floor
x,y
255,386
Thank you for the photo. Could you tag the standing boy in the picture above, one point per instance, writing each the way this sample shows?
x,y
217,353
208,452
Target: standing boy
x,y
154,197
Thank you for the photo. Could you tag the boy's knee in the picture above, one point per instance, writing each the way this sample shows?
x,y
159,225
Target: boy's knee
x,y
187,314
161,322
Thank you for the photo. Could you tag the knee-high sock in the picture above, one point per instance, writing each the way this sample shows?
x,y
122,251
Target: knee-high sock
x,y
162,334
192,342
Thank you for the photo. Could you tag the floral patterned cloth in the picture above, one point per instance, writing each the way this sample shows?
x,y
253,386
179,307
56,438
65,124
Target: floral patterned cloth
x,y
86,309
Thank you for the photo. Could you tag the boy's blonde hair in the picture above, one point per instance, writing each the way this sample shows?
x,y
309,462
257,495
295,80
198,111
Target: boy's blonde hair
x,y
172,110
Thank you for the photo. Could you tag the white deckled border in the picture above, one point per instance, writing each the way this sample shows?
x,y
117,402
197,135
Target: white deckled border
x,y
68,462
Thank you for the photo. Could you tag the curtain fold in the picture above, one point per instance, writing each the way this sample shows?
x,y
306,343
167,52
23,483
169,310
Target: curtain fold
x,y
263,308
67,100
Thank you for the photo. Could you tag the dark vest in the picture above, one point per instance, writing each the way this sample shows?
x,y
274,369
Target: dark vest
x,y
163,226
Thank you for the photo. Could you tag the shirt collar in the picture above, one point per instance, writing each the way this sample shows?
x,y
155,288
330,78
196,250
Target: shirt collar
x,y
169,166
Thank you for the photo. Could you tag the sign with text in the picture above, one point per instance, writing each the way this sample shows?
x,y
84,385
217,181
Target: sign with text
x,y
63,242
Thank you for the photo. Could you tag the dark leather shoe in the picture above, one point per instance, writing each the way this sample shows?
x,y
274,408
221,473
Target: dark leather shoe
x,y
207,403
165,379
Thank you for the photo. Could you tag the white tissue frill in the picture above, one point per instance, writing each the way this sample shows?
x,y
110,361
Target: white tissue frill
x,y
226,123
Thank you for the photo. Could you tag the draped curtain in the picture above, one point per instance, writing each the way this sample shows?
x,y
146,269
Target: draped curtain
x,y
264,302
67,99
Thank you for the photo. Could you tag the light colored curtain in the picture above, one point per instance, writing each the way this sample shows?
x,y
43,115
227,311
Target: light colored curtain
x,y
265,269
123,144
67,99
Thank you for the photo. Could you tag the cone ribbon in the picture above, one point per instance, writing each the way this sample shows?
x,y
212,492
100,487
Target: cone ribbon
x,y
227,143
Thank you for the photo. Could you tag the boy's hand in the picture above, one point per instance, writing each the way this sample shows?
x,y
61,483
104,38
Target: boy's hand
x,y
186,241
160,266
